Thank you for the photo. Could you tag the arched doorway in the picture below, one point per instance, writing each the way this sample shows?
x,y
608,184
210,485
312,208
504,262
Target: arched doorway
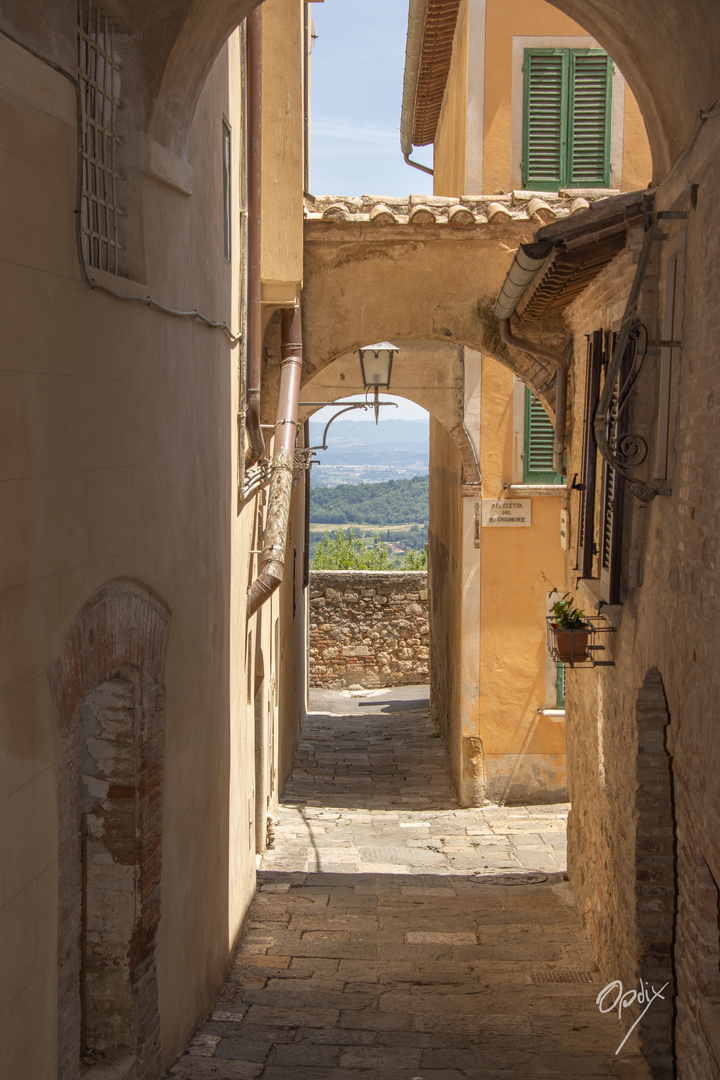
x,y
109,703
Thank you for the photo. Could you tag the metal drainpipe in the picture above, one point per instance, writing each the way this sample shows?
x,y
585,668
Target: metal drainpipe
x,y
254,321
561,364
272,560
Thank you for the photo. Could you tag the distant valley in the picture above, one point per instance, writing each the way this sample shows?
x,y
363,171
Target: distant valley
x,y
359,452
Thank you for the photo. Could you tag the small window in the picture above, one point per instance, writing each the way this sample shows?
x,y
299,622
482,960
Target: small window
x,y
227,190
538,444
99,78
566,118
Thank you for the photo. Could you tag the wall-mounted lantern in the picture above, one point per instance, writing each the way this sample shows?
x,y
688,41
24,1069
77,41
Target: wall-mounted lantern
x,y
376,364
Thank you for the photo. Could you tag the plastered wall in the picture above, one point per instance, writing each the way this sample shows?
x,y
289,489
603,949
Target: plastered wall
x,y
445,590
118,460
523,750
478,146
450,149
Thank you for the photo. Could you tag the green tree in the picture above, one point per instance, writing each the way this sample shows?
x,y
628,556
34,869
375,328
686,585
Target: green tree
x,y
414,560
345,551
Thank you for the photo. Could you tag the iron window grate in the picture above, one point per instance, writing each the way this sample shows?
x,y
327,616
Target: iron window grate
x,y
99,76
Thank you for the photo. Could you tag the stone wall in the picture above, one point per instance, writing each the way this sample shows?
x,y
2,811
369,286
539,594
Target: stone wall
x,y
368,628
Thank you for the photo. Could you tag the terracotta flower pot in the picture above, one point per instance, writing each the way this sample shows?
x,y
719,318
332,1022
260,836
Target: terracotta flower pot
x,y
571,645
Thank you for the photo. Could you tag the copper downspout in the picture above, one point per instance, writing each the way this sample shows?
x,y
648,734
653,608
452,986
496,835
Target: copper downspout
x,y
256,448
272,560
561,365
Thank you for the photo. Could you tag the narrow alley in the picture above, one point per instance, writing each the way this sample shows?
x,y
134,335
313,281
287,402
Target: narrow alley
x,y
395,936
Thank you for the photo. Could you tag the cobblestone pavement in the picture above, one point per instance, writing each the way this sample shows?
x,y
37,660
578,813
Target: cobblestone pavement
x,y
395,936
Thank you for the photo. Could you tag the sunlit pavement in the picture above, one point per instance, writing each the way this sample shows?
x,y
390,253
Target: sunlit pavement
x,y
395,936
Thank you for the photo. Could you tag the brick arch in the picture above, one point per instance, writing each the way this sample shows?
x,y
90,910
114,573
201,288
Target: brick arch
x,y
110,664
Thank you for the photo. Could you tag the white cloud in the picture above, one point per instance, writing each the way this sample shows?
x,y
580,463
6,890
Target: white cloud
x,y
325,129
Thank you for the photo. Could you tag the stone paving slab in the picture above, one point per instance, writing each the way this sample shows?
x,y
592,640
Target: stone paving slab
x,y
397,936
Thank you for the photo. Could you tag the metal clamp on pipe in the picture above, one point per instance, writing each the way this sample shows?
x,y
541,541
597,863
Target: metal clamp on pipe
x,y
272,560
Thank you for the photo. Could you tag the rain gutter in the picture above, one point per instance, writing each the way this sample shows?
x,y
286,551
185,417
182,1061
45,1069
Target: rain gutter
x,y
272,559
413,55
561,366
528,262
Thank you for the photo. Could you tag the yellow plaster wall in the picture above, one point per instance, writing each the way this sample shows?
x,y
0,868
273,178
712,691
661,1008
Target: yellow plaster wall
x,y
283,150
450,148
637,159
505,19
291,667
445,591
118,451
522,751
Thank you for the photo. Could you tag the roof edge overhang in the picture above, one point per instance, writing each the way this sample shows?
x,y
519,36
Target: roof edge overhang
x,y
567,255
428,52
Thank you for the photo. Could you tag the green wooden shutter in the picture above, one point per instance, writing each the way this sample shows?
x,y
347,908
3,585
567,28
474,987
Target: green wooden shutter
x,y
545,111
589,123
539,440
567,114
559,684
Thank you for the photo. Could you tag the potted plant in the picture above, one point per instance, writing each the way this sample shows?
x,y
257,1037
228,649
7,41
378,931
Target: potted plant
x,y
570,630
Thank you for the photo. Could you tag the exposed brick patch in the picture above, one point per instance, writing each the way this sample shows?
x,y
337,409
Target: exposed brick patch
x,y
117,641
655,873
368,628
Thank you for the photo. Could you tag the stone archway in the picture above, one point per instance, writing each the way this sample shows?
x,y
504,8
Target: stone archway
x,y
437,281
106,686
430,373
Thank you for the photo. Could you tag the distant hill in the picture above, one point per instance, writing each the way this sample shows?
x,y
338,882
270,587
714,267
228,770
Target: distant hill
x,y
359,451
394,502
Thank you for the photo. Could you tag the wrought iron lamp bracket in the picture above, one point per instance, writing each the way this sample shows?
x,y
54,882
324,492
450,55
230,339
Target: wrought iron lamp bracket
x,y
347,407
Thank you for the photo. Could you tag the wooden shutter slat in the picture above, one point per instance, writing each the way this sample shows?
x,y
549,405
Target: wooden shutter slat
x,y
545,105
586,527
539,443
589,120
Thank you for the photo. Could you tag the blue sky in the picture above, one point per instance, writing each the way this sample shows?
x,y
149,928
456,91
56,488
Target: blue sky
x,y
406,410
357,76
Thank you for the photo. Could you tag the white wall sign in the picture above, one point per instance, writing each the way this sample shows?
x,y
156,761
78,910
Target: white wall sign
x,y
564,529
510,513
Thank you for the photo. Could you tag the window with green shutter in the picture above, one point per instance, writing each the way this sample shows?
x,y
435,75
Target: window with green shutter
x,y
566,118
538,448
559,684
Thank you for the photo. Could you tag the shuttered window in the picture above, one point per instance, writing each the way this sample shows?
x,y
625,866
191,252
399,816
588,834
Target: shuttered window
x,y
612,497
586,515
538,448
559,684
567,118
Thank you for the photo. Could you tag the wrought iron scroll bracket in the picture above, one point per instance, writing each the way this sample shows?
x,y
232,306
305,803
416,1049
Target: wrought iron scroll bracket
x,y
631,450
